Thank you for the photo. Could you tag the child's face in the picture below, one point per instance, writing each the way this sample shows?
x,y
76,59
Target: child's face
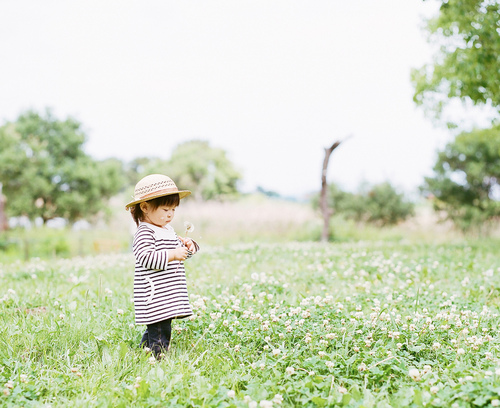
x,y
160,216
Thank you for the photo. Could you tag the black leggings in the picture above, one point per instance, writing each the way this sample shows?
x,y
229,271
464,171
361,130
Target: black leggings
x,y
157,336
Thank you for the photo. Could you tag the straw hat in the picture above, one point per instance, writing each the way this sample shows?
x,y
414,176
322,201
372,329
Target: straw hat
x,y
154,186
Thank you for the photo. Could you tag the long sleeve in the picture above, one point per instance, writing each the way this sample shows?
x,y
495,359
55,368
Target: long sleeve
x,y
145,250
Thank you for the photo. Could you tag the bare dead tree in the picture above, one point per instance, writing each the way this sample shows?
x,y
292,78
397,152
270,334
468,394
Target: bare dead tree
x,y
323,201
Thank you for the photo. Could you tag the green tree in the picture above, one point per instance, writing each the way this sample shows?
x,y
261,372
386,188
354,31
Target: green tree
x,y
466,65
466,181
196,166
45,172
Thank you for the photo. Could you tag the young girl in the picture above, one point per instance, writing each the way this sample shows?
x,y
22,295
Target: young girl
x,y
160,290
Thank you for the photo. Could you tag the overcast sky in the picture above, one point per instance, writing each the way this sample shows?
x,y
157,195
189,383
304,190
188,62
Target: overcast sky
x,y
271,82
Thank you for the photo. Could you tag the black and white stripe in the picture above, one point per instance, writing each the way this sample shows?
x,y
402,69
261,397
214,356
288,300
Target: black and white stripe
x,y
160,289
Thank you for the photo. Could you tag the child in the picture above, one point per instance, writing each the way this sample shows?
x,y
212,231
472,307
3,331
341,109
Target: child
x,y
160,290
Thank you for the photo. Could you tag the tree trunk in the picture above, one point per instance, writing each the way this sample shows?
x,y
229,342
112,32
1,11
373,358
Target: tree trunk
x,y
323,202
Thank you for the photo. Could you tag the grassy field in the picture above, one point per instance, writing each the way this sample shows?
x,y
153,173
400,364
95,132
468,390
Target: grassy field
x,y
355,324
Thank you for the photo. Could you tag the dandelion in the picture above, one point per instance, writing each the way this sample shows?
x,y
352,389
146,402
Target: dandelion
x,y
188,226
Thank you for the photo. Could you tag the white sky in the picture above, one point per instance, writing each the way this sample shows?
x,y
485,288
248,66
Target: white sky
x,y
273,82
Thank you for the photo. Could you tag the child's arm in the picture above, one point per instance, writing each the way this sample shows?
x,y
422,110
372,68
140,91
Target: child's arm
x,y
149,257
190,244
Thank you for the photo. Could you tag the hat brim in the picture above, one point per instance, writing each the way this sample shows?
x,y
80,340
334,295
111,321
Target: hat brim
x,y
182,194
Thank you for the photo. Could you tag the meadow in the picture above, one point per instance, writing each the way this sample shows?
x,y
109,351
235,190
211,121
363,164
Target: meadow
x,y
354,323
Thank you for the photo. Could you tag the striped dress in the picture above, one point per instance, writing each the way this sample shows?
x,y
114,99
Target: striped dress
x,y
160,290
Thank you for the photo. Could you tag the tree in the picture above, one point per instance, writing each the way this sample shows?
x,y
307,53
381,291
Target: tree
x,y
466,181
196,166
326,212
45,172
466,65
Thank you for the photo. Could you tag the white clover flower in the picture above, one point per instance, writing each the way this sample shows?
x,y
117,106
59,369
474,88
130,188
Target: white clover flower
x,y
436,346
278,399
6,392
231,394
252,404
276,352
152,360
23,378
434,389
342,390
329,364
414,374
247,398
119,311
237,348
495,403
9,384
266,404
290,370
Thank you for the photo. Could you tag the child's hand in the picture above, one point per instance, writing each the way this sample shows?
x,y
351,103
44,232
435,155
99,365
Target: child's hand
x,y
189,244
180,253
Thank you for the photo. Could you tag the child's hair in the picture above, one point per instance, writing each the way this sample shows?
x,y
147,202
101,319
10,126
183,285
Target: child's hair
x,y
168,200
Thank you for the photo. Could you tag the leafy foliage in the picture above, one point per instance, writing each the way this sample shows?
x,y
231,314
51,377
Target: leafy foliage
x,y
466,183
466,66
379,204
45,172
196,166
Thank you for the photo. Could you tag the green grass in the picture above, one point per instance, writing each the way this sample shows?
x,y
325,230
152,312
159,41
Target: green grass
x,y
351,319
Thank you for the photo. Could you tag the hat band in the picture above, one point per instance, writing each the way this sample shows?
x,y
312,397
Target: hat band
x,y
159,192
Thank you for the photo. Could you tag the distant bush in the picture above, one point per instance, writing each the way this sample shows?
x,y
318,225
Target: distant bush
x,y
379,204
